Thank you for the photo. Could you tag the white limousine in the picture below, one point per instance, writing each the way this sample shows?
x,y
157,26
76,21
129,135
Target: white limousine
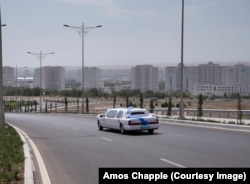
x,y
128,119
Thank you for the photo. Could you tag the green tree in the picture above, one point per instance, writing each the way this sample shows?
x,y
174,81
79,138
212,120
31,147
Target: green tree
x,y
66,104
46,107
114,101
87,104
36,91
199,107
93,92
77,105
165,104
127,101
239,112
141,100
151,106
131,104
169,112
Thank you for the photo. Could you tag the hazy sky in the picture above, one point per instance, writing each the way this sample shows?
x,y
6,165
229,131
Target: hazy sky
x,y
133,32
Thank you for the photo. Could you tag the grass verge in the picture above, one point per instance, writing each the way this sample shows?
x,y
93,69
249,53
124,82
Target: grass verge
x,y
11,156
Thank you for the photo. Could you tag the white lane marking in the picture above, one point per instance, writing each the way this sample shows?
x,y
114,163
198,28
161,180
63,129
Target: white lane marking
x,y
172,163
41,164
75,129
106,139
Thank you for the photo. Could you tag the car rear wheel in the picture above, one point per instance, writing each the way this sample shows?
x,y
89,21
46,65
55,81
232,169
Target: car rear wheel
x,y
151,131
122,129
99,125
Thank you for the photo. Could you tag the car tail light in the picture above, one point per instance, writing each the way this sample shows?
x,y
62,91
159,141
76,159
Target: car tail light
x,y
129,122
154,122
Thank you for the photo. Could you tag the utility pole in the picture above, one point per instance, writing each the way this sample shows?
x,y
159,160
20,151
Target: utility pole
x,y
181,106
2,119
40,56
82,30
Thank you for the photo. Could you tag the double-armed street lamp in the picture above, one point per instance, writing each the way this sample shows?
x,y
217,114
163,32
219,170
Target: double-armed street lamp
x,y
181,105
2,121
82,30
40,56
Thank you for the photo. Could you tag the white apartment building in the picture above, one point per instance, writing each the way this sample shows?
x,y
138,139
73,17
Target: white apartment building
x,y
217,90
242,79
238,76
173,78
53,77
209,74
144,78
8,76
26,82
210,78
92,78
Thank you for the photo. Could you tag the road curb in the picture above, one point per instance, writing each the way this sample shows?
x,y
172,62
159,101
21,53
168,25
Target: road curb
x,y
28,174
244,128
28,163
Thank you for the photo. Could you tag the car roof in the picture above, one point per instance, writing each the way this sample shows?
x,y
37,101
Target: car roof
x,y
126,109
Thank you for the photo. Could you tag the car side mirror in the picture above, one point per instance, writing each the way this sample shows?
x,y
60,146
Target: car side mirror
x,y
102,115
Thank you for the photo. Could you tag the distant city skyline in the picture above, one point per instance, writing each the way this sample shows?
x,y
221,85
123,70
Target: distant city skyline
x,y
133,32
128,66
207,78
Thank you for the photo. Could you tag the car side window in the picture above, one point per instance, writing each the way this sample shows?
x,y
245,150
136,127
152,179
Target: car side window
x,y
111,114
119,115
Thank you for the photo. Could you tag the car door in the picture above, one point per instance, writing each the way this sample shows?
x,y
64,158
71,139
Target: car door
x,y
118,119
110,119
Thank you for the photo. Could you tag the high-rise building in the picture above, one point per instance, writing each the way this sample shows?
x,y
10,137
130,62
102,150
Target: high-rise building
x,y
209,73
8,76
173,78
221,79
242,79
92,78
144,78
53,77
170,79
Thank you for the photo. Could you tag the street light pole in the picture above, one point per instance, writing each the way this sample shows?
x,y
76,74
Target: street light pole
x,y
82,32
2,119
40,56
181,105
82,75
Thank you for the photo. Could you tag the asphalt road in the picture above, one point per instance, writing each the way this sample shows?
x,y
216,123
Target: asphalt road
x,y
73,148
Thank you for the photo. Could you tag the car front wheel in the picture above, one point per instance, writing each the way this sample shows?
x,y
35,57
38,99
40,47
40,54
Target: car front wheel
x,y
99,125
